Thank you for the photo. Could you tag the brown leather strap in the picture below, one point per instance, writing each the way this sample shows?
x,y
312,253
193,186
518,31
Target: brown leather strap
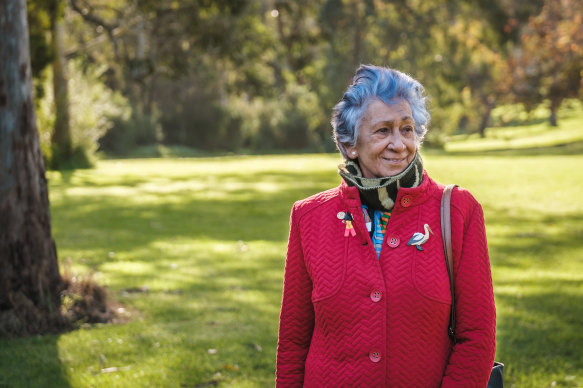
x,y
446,237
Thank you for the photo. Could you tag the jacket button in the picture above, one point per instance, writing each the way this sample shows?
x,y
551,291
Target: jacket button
x,y
406,201
393,241
376,295
374,356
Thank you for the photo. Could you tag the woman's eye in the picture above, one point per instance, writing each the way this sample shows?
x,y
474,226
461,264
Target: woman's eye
x,y
408,129
383,129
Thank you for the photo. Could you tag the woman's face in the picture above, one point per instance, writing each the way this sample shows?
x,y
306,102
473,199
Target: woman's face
x,y
386,142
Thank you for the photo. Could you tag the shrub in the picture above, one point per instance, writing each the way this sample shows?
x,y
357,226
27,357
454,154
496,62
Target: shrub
x,y
93,110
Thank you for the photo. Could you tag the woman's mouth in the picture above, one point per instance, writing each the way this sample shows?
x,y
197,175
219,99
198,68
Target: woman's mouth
x,y
394,160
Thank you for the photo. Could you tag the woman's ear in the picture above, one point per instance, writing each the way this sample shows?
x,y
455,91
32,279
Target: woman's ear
x,y
351,151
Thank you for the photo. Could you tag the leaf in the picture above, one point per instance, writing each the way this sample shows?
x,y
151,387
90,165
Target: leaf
x,y
231,367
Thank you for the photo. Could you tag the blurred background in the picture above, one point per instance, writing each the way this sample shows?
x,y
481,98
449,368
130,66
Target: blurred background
x,y
262,75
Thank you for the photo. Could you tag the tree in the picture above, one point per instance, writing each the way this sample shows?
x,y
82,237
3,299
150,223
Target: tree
x,y
548,65
163,48
41,54
475,60
30,282
61,140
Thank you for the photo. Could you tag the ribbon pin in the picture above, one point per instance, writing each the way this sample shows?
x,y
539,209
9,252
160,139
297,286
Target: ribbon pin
x,y
349,228
420,238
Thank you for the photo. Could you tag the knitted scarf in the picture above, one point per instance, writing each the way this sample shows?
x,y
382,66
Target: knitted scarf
x,y
381,193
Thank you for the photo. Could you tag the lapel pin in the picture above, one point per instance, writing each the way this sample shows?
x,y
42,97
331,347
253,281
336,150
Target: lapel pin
x,y
420,238
349,228
340,215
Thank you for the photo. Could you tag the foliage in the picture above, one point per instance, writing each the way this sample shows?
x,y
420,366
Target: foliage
x,y
187,69
130,132
41,54
93,106
294,121
506,17
93,111
548,65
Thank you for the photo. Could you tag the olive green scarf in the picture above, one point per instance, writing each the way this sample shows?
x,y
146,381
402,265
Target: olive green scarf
x,y
381,193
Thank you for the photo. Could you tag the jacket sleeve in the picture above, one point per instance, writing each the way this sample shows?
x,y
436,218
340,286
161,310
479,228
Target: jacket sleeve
x,y
296,321
472,356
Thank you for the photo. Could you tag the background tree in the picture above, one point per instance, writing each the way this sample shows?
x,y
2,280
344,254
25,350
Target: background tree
x,y
62,147
30,282
41,54
549,62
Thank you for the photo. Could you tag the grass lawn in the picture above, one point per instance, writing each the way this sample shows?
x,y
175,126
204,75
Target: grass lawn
x,y
194,251
514,129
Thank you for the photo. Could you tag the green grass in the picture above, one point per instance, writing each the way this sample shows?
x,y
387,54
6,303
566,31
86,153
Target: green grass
x,y
194,250
516,130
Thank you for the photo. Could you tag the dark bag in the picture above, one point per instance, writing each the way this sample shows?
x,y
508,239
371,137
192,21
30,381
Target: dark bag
x,y
496,377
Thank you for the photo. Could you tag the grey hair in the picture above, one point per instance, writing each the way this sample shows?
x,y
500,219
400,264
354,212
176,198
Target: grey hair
x,y
382,83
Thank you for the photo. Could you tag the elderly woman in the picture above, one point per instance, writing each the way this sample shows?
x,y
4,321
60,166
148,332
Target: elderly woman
x,y
365,304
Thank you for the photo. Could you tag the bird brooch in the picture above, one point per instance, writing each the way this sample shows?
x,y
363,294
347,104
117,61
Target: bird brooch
x,y
420,238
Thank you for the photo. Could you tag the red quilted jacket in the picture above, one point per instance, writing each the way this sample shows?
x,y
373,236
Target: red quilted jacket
x,y
349,319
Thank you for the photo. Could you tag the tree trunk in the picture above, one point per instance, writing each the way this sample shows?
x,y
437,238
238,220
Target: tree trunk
x,y
555,104
485,120
30,282
553,118
61,139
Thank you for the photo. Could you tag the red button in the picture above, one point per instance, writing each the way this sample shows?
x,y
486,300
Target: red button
x,y
406,201
393,241
376,295
374,356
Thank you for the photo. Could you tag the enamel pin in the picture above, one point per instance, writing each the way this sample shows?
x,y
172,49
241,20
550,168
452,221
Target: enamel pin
x,y
349,228
420,238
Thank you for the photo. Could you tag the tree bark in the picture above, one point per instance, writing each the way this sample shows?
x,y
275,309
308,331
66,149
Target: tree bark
x,y
555,105
485,118
30,282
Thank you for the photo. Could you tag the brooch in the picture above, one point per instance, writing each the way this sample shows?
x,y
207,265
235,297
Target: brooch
x,y
420,238
347,219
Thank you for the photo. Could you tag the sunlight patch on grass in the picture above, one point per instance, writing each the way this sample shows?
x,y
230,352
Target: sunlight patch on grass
x,y
128,267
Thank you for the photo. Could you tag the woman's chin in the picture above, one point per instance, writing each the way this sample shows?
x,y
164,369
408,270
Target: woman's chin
x,y
391,168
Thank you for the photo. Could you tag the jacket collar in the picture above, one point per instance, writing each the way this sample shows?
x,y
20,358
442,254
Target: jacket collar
x,y
406,197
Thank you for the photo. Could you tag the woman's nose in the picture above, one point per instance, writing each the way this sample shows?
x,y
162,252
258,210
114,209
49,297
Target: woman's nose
x,y
396,143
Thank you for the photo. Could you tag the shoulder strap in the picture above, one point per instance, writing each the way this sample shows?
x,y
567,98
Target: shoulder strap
x,y
446,237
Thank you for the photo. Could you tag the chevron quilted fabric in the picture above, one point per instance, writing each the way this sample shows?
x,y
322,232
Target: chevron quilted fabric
x,y
349,319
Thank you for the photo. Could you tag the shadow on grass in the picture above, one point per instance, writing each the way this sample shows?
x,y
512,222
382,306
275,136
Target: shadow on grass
x,y
230,208
226,241
230,308
542,240
540,314
31,362
539,332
